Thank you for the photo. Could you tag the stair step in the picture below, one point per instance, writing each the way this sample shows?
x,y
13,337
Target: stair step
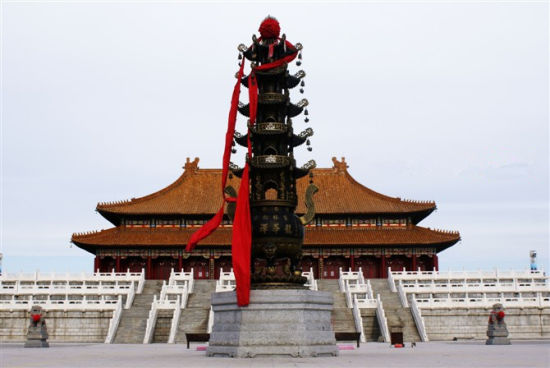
x,y
194,318
396,315
133,321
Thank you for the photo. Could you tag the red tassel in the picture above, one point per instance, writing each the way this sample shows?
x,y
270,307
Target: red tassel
x,y
213,223
241,242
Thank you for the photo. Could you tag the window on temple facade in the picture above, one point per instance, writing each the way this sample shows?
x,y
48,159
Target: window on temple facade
x,y
168,223
363,222
195,223
138,223
334,222
227,222
394,222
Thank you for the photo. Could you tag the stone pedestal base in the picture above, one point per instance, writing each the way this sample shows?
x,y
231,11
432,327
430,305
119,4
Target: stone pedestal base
x,y
498,341
37,339
497,334
277,322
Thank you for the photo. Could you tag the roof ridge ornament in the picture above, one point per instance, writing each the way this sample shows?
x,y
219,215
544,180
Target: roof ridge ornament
x,y
191,165
340,166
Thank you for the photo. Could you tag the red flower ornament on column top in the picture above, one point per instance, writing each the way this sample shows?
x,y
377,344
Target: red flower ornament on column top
x,y
270,28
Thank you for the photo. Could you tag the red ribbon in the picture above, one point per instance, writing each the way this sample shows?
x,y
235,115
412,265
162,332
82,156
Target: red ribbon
x,y
215,221
241,241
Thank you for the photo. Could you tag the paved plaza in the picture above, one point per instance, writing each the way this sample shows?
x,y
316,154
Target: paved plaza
x,y
471,354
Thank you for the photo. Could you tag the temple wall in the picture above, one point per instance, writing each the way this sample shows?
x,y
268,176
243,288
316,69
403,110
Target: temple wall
x,y
522,323
205,265
63,326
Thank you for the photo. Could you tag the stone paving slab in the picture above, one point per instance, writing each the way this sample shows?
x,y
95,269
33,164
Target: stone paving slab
x,y
471,354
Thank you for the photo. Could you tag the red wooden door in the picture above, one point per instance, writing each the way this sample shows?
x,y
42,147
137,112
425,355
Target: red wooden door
x,y
199,266
311,263
134,264
369,265
106,264
162,266
399,263
332,265
425,263
223,263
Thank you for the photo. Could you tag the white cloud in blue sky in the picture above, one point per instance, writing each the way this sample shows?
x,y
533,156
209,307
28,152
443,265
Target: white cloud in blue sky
x,y
440,101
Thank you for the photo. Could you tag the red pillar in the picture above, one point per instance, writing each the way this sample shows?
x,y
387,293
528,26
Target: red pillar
x,y
436,262
148,274
180,263
320,267
212,268
413,261
352,262
96,263
383,271
117,267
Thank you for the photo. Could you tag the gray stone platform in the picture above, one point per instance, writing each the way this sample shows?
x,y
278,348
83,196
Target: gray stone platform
x,y
372,355
275,323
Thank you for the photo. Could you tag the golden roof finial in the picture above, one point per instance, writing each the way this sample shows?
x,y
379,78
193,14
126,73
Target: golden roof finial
x,y
340,166
191,165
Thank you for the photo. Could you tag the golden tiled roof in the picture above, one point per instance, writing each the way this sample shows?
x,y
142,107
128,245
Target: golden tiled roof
x,y
314,236
198,192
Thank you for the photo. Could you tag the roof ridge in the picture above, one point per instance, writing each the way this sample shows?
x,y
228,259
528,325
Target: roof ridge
x,y
191,193
383,196
342,167
191,167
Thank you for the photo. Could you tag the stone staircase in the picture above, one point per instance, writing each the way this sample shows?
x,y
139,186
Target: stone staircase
x,y
131,329
342,316
398,317
194,318
371,329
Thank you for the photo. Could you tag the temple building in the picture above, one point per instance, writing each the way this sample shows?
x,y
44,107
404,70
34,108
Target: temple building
x,y
354,227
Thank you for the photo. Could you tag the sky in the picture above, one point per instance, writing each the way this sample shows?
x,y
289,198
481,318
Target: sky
x,y
443,101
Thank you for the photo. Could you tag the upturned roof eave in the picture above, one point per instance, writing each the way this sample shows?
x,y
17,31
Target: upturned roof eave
x,y
91,241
